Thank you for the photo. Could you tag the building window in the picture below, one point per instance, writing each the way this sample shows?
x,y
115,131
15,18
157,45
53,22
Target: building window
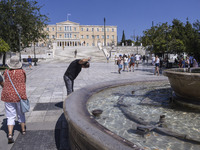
x,y
69,35
87,44
87,29
82,36
97,29
97,36
74,28
102,29
92,29
87,36
102,36
65,35
92,44
75,36
107,36
47,37
81,29
53,29
113,37
113,29
107,29
47,29
60,36
53,36
65,28
92,36
60,28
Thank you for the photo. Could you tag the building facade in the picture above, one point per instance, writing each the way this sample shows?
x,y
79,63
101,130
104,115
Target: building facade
x,y
73,34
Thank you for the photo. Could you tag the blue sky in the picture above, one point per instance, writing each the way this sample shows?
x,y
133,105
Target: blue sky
x,y
132,16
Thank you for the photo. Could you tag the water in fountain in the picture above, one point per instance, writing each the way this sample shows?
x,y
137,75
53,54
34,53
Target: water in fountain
x,y
144,114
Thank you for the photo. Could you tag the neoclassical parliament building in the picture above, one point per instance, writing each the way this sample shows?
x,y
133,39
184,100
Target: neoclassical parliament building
x,y
69,33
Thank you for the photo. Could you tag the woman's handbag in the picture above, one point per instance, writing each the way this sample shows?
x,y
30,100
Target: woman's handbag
x,y
25,106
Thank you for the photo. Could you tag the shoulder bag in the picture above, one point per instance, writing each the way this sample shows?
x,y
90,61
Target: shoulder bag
x,y
25,106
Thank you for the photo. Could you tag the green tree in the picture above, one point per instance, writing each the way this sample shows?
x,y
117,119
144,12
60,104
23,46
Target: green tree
x,y
177,46
24,13
137,42
196,26
123,38
4,47
157,38
190,37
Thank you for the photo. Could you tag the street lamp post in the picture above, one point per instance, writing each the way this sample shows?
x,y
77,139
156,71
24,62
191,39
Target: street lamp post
x,y
35,64
20,30
166,35
104,31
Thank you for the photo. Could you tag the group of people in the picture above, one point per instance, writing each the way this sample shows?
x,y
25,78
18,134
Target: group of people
x,y
188,62
127,63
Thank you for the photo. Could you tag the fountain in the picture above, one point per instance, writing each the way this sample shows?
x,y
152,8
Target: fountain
x,y
185,84
131,115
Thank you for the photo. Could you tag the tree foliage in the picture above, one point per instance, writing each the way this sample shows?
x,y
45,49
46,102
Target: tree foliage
x,y
123,38
24,13
176,38
4,47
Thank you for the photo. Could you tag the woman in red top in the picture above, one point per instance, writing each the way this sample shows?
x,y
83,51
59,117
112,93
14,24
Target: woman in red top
x,y
10,97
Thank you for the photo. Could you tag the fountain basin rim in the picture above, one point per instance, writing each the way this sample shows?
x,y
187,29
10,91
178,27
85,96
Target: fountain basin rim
x,y
180,71
79,118
184,84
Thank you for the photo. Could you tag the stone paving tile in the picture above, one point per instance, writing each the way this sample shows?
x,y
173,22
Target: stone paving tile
x,y
41,137
35,119
37,113
57,99
44,99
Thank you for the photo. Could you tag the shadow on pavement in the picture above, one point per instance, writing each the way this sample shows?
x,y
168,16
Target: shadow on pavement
x,y
62,134
5,128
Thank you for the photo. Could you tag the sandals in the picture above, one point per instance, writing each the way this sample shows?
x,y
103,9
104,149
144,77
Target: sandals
x,y
10,139
23,132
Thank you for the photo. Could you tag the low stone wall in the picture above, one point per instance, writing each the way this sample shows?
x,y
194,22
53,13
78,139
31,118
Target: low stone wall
x,y
84,131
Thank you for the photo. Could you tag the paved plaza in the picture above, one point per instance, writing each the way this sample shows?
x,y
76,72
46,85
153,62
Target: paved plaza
x,y
46,124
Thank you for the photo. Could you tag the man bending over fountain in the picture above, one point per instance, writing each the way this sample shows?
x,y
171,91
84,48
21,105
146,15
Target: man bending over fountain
x,y
72,72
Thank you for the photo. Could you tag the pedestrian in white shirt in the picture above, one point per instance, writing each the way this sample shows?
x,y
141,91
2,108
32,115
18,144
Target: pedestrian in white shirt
x,y
157,64
137,59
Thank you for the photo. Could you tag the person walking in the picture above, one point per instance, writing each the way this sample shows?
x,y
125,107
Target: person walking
x,y
10,97
157,63
29,61
107,57
137,59
125,63
116,59
132,62
119,63
72,72
75,53
153,60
